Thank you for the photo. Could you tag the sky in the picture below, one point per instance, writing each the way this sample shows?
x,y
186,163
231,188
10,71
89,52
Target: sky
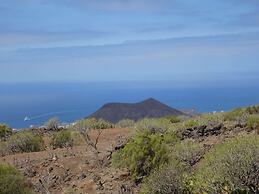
x,y
129,40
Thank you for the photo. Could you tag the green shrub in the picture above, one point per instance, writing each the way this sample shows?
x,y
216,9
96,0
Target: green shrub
x,y
3,149
229,167
62,139
92,123
173,119
252,109
169,179
53,124
154,125
174,177
5,132
253,122
191,123
11,182
25,142
142,154
187,152
212,119
125,123
238,115
102,124
77,138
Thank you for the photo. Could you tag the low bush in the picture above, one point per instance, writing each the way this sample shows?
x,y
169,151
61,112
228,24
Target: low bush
x,y
241,112
102,124
77,138
252,109
11,182
238,115
212,119
142,154
187,153
3,148
125,123
173,119
62,139
25,142
169,179
191,123
153,125
230,167
5,131
253,122
174,177
53,124
92,123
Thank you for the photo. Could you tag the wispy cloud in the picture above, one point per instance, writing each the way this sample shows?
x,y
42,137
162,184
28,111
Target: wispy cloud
x,y
31,22
113,5
201,58
111,39
23,39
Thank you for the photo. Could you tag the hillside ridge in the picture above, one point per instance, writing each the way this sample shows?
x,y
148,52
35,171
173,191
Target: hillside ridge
x,y
149,108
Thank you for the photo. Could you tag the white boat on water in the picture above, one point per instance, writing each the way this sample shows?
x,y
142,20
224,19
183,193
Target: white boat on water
x,y
27,119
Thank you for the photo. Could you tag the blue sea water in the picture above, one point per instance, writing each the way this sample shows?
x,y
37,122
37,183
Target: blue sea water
x,y
72,101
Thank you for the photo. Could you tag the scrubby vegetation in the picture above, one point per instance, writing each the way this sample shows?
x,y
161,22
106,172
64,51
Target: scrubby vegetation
x,y
153,125
235,115
187,153
189,165
25,142
191,123
92,123
174,177
167,179
253,122
241,114
252,109
125,123
5,131
52,124
22,142
62,139
144,153
230,166
85,126
173,119
66,138
11,182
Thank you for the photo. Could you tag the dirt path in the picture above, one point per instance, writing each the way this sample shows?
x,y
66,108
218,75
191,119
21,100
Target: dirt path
x,y
76,170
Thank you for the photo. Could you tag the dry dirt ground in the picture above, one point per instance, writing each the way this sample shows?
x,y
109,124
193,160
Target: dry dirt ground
x,y
75,170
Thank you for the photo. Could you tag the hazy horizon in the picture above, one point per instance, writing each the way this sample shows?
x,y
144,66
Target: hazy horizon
x,y
73,101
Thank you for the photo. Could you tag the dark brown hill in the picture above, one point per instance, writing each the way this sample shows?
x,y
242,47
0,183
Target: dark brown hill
x,y
149,108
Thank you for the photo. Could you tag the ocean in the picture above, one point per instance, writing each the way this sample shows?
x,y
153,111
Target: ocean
x,y
73,101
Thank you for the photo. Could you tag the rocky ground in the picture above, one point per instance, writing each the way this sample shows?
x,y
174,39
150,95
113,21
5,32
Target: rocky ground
x,y
81,170
76,170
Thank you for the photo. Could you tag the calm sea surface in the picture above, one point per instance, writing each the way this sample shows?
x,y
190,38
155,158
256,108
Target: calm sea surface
x,y
72,101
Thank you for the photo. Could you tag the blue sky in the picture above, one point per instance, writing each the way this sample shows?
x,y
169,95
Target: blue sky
x,y
129,40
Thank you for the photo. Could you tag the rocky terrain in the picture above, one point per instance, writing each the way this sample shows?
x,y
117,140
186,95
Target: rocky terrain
x,y
75,169
79,170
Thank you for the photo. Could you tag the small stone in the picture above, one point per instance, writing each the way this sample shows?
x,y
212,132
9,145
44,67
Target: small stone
x,y
51,169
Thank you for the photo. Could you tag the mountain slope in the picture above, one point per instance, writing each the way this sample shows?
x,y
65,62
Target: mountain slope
x,y
149,108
